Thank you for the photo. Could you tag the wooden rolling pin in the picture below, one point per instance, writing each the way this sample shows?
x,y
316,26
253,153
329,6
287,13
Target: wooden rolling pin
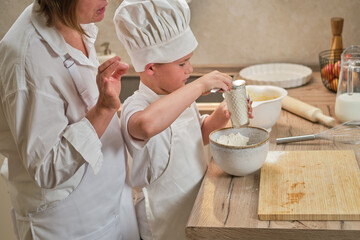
x,y
306,111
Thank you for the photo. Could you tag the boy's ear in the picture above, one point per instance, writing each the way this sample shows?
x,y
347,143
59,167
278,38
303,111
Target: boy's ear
x,y
150,69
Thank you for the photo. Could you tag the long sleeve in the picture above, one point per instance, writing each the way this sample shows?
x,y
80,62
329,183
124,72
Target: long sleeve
x,y
43,121
50,148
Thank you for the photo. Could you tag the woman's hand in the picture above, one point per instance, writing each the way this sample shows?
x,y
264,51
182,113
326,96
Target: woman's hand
x,y
109,84
108,81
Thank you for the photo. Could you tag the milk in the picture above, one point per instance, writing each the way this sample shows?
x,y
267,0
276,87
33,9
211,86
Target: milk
x,y
347,107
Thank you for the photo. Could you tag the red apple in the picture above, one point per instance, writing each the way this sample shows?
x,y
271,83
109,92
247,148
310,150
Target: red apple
x,y
337,68
327,72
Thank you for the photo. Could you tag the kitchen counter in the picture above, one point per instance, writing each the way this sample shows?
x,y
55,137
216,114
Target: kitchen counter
x,y
226,206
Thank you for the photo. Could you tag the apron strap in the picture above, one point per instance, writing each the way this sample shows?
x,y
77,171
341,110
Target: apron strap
x,y
14,217
80,83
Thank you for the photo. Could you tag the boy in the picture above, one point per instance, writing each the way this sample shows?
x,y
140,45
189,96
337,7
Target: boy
x,y
161,124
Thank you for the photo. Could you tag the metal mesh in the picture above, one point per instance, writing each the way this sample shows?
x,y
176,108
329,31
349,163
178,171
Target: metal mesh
x,y
348,132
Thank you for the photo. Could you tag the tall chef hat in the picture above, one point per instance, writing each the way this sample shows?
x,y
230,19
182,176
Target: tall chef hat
x,y
154,31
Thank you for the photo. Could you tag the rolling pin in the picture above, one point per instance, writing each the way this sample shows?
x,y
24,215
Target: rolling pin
x,y
306,111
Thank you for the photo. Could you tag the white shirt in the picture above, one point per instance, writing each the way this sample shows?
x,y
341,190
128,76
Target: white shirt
x,y
150,157
44,133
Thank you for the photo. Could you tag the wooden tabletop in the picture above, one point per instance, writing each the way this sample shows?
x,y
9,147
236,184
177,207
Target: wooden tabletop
x,y
226,206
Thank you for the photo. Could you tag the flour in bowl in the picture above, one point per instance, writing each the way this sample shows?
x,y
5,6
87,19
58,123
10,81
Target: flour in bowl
x,y
233,139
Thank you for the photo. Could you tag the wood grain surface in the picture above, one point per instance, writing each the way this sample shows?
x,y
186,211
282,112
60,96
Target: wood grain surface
x,y
227,207
310,185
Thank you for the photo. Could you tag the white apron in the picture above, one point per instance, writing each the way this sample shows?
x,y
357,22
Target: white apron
x,y
170,198
78,215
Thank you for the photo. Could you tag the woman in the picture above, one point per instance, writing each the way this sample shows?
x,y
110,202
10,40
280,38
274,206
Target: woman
x,y
66,163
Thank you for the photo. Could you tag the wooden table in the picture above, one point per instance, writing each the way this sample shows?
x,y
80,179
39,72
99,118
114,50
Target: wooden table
x,y
226,206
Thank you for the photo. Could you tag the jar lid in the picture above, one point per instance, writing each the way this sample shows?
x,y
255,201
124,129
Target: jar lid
x,y
238,83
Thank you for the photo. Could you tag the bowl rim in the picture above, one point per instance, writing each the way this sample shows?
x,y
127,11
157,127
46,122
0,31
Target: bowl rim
x,y
241,147
283,91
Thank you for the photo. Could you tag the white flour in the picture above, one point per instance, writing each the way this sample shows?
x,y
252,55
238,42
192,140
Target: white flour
x,y
233,139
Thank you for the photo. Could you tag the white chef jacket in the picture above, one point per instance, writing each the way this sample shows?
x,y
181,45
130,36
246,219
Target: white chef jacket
x,y
150,158
44,133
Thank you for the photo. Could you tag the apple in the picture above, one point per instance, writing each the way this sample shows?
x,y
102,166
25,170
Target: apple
x,y
347,56
327,72
334,84
336,70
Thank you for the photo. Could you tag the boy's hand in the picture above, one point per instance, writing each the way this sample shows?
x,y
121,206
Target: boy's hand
x,y
222,112
226,113
249,103
215,79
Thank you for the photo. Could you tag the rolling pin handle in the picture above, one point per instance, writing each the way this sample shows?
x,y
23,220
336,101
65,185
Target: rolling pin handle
x,y
306,111
326,120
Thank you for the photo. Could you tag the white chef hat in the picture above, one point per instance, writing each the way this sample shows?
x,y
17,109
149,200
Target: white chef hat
x,y
154,31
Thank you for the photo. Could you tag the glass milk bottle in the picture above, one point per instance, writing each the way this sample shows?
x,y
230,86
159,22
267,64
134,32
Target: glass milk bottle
x,y
347,105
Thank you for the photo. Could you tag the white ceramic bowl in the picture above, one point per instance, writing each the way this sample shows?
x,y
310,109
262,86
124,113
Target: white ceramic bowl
x,y
266,104
240,160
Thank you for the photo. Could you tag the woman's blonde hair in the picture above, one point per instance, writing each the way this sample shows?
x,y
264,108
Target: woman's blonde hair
x,y
63,10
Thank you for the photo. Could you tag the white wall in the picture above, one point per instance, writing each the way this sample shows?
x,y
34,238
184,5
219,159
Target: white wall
x,y
244,32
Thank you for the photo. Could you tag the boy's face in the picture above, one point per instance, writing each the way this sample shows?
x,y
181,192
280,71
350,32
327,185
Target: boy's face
x,y
171,76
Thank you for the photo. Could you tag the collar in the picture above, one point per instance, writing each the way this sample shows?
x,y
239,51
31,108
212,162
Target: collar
x,y
148,93
56,40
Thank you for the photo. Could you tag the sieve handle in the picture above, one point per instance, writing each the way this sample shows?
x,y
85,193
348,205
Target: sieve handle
x,y
295,139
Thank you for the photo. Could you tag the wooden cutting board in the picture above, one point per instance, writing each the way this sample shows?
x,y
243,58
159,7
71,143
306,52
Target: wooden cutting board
x,y
310,185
